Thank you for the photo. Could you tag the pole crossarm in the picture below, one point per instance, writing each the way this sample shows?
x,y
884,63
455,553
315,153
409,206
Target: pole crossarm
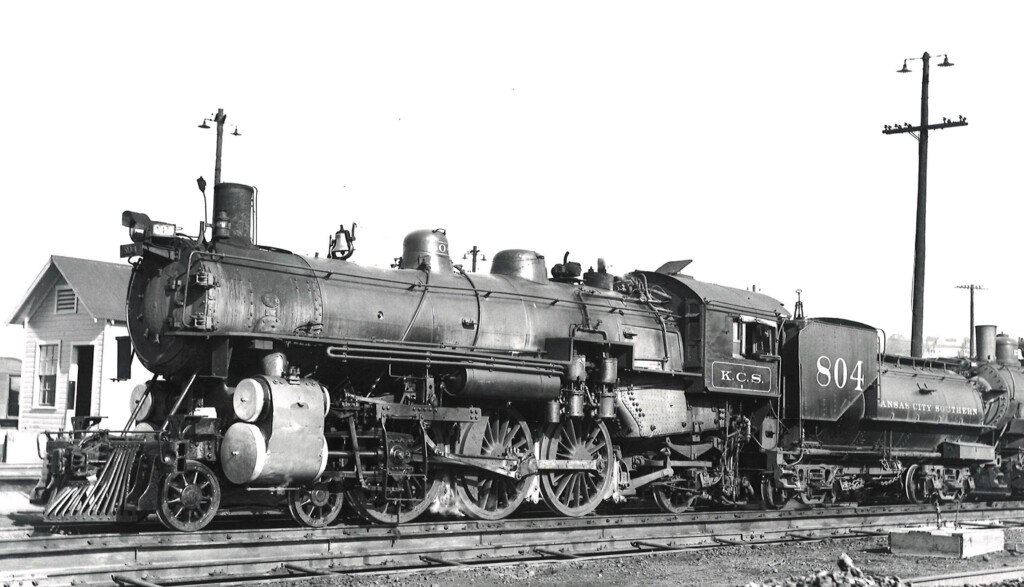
x,y
902,129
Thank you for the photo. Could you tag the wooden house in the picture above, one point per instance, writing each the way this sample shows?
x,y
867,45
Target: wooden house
x,y
73,314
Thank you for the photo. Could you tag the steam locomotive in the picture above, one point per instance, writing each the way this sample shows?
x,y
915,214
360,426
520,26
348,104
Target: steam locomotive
x,y
315,382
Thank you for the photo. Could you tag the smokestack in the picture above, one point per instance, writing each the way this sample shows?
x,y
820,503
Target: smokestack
x,y
986,336
235,200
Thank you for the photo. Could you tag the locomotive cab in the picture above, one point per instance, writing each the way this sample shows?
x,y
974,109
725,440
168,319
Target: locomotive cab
x,y
730,334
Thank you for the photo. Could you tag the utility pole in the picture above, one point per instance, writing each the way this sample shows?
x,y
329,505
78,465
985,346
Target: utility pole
x,y
220,118
972,287
917,322
474,251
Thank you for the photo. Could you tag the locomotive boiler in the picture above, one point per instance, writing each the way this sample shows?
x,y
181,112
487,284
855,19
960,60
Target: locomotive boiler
x,y
306,383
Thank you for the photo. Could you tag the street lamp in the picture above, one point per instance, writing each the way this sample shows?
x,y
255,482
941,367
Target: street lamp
x,y
219,118
917,322
474,251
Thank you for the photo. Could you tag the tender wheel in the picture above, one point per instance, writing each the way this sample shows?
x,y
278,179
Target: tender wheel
x,y
913,486
189,498
576,493
402,487
488,496
672,500
315,506
773,496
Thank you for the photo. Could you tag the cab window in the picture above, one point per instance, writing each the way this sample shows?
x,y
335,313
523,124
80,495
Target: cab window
x,y
752,340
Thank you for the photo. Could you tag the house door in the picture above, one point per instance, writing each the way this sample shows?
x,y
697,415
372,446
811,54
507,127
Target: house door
x,y
80,380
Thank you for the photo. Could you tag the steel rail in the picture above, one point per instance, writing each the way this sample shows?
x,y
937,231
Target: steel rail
x,y
976,577
157,557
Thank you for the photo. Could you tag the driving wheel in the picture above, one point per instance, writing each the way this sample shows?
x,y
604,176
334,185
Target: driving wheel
x,y
576,492
492,496
398,486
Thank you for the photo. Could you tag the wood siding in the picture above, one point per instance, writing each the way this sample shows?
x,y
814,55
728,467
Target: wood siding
x,y
45,326
113,400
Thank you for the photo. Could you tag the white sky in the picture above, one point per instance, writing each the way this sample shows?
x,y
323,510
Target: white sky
x,y
744,135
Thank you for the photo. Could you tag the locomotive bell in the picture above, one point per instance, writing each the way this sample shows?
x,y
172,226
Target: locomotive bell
x,y
341,246
428,250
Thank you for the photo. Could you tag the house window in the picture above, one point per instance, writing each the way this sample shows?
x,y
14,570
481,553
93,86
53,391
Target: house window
x,y
12,396
47,373
67,301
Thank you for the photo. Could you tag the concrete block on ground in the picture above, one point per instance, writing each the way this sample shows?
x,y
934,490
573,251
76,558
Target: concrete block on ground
x,y
947,542
20,446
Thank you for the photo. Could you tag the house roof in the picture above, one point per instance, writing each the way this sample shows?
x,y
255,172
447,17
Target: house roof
x,y
101,287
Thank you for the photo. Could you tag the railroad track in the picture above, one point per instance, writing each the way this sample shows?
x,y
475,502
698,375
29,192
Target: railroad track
x,y
983,577
167,558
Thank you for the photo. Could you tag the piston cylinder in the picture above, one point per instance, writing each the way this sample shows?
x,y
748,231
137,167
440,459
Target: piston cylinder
x,y
151,406
283,440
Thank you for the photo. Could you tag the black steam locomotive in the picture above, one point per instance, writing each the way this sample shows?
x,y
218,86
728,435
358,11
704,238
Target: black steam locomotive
x,y
315,382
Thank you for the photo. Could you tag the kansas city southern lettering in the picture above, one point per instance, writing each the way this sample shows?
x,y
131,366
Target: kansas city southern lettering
x,y
919,407
741,377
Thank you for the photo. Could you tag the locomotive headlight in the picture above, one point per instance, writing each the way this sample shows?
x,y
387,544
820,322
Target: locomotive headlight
x,y
140,227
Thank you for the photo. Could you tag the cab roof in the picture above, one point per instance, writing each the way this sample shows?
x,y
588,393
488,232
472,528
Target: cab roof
x,y
720,297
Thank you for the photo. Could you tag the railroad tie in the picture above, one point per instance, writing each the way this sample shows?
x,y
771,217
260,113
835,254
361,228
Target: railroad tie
x,y
555,553
122,580
307,570
654,545
440,561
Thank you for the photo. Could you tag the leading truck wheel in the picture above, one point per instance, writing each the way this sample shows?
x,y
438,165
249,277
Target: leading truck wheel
x,y
491,496
315,506
189,498
571,492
